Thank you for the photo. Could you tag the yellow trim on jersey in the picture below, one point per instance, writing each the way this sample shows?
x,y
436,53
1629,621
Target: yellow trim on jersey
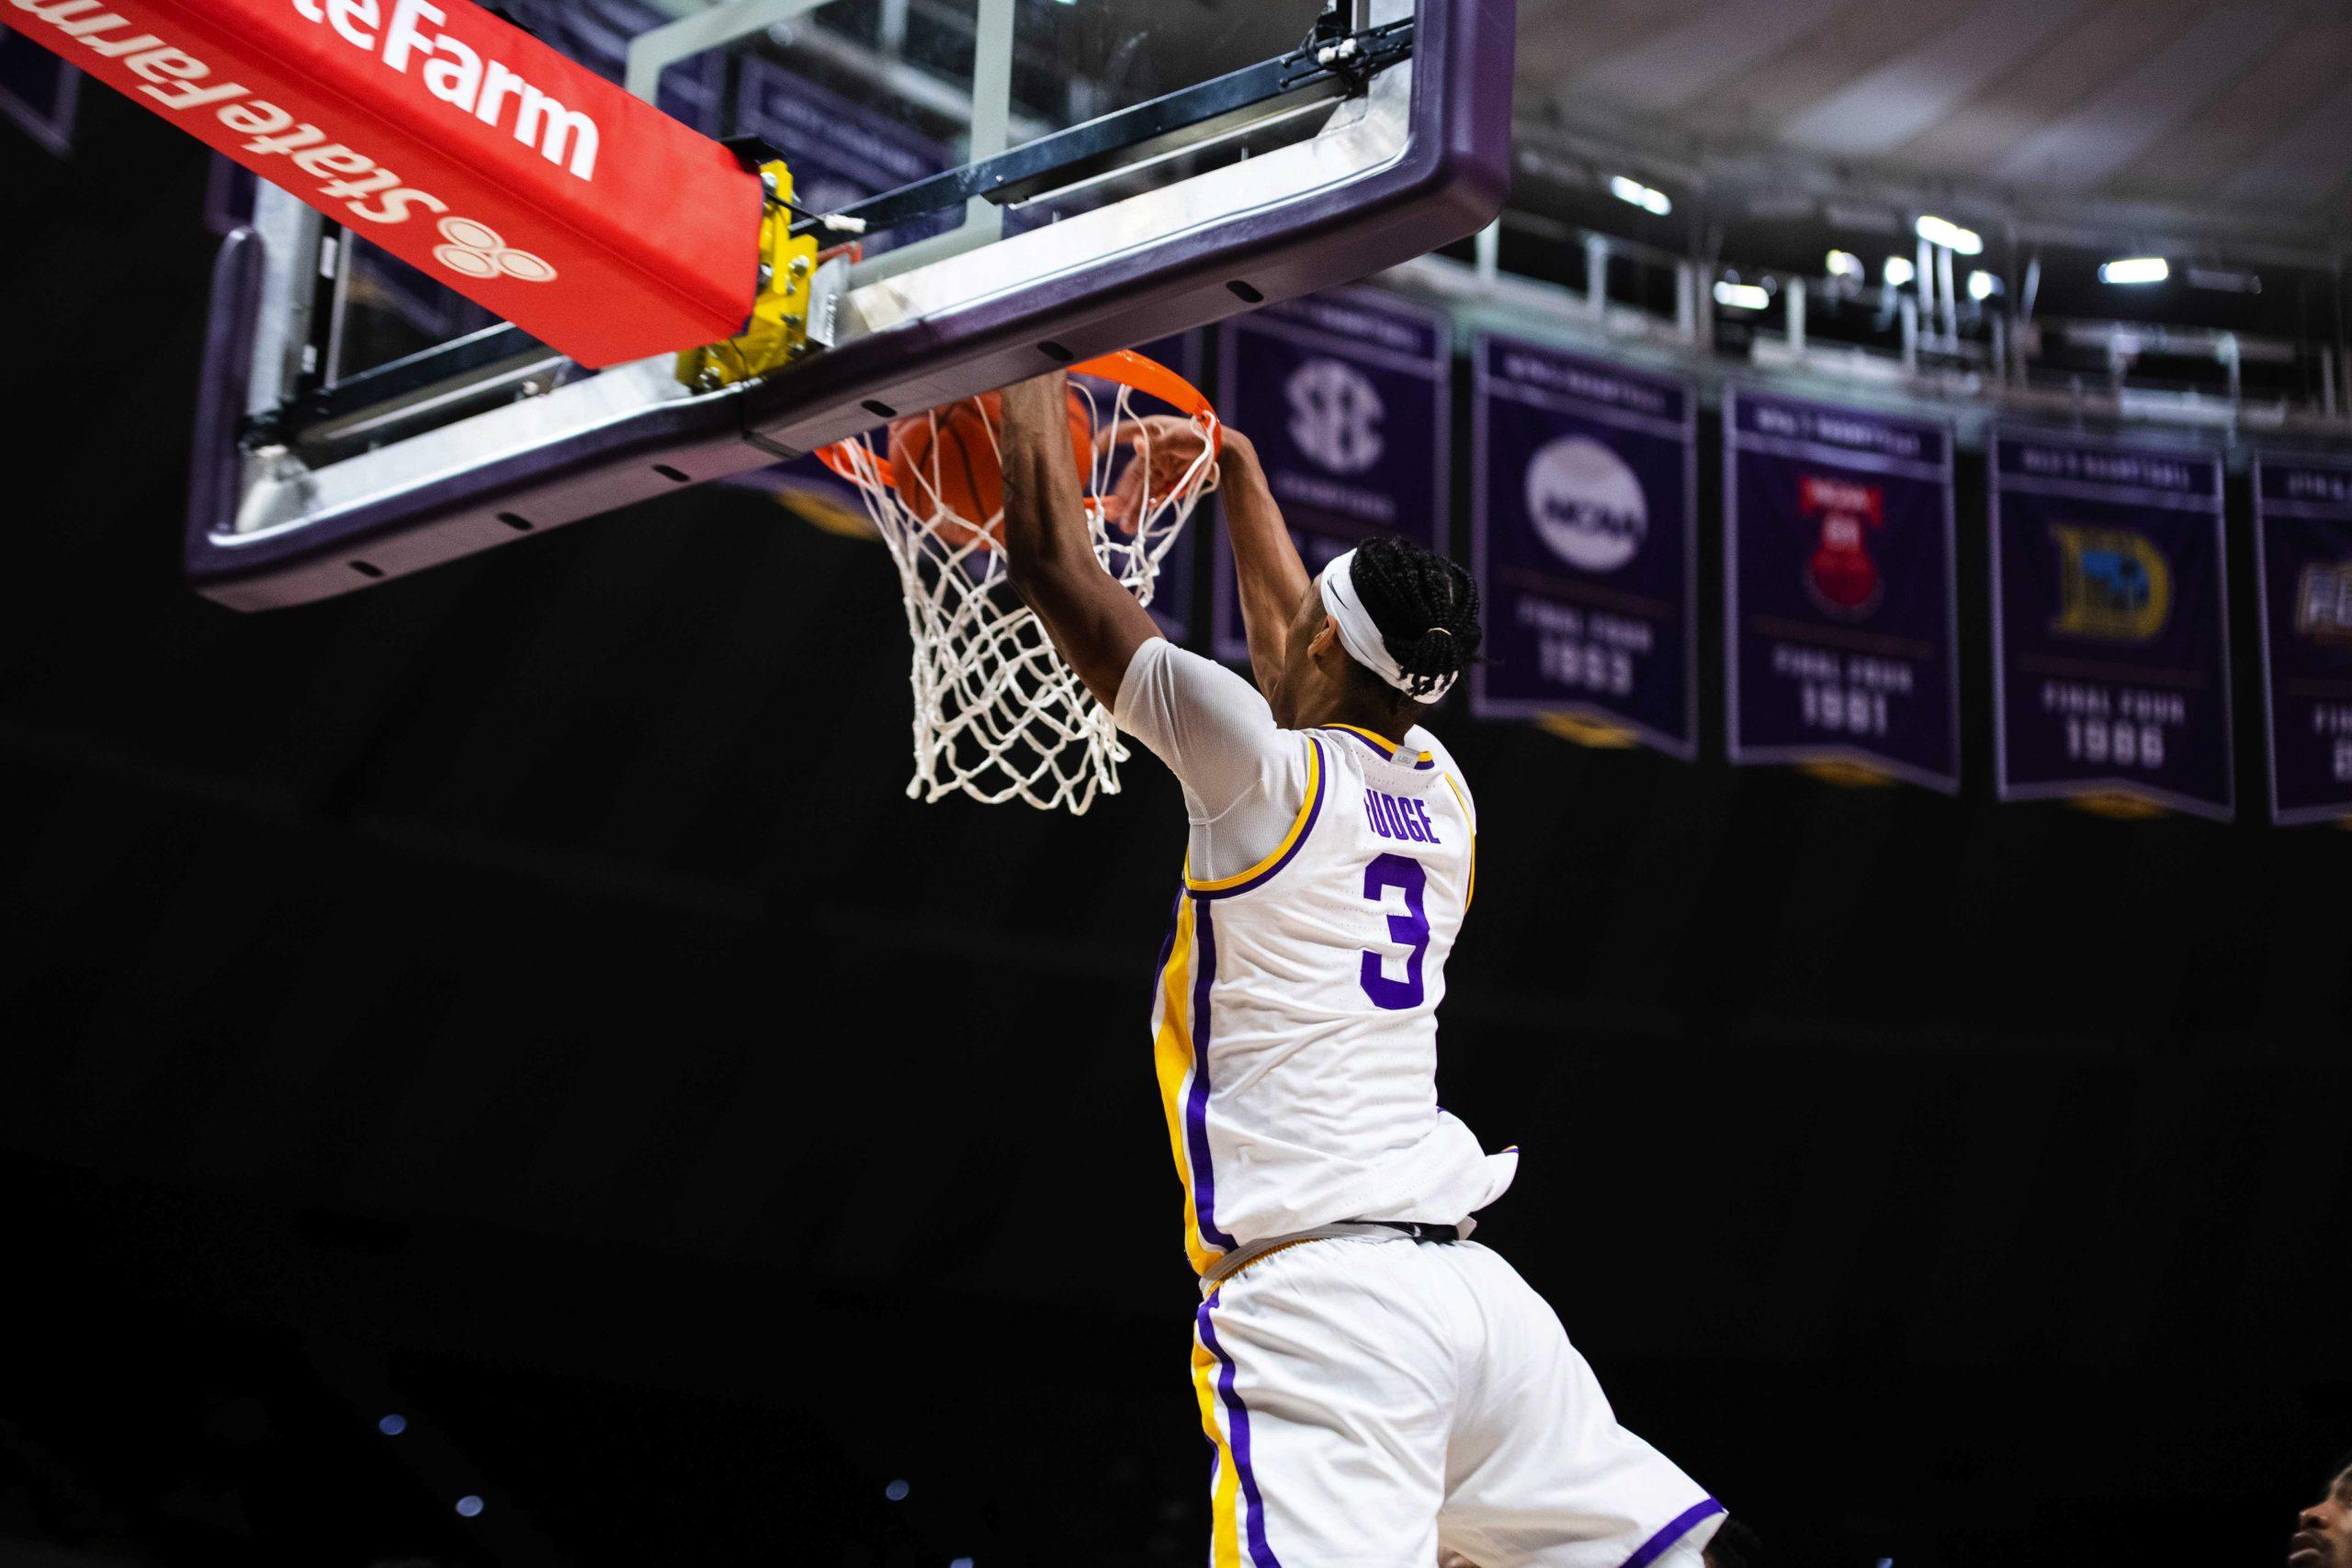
x,y
1172,1059
1391,747
1224,1498
1472,823
1290,840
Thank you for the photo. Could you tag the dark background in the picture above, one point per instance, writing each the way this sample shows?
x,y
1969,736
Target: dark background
x,y
521,997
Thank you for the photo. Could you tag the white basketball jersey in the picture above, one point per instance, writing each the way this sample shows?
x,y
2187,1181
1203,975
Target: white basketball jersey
x,y
1295,1019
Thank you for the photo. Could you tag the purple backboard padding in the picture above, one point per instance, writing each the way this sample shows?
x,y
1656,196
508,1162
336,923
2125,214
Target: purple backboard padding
x,y
1450,181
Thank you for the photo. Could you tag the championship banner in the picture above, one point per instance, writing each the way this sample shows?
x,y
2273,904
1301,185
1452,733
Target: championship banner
x,y
1584,537
457,141
39,92
1839,590
2110,623
2302,541
1346,396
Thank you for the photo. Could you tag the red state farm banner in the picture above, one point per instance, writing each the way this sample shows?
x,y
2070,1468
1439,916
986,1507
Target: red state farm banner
x,y
458,142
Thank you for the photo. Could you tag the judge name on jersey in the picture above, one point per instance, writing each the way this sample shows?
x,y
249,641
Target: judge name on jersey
x,y
1394,819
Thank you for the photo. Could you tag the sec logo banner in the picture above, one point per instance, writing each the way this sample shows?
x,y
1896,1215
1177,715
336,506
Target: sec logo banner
x,y
1345,394
1335,414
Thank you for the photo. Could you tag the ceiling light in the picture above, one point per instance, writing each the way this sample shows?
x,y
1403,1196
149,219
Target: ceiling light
x,y
1951,236
1741,295
2135,269
1845,263
1647,197
1899,271
1983,286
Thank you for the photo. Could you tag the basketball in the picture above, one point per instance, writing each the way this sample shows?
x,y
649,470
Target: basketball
x,y
943,464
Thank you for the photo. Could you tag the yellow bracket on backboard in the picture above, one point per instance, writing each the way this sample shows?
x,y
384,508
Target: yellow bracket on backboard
x,y
777,332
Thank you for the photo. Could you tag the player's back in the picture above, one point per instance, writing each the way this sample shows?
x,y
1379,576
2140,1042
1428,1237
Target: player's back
x,y
1295,1017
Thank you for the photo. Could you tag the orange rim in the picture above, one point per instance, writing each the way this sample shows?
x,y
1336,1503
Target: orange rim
x,y
1123,365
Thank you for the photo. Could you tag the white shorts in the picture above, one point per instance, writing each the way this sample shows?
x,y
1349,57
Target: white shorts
x,y
1374,1401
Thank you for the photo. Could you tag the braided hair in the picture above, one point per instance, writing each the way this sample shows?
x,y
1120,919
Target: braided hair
x,y
1425,605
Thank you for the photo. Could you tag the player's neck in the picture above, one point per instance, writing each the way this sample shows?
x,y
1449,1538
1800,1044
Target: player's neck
x,y
1379,718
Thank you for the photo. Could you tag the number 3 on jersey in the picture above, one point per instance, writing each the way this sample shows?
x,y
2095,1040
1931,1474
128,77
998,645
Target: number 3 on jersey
x,y
1410,930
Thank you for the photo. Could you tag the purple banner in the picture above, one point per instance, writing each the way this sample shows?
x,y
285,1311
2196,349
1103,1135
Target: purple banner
x,y
2302,540
2110,623
1584,537
1841,625
1346,396
39,92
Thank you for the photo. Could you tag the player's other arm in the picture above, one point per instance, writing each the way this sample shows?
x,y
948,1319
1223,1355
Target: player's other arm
x,y
1272,578
1095,623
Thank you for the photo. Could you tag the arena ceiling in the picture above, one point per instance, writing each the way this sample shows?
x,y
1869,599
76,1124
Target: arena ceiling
x,y
2186,115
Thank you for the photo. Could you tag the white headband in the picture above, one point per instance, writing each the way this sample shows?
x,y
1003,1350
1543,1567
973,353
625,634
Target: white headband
x,y
1361,637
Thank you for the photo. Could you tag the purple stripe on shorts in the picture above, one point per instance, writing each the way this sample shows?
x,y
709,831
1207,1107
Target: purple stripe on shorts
x,y
1196,1103
1676,1528
1238,1420
1314,811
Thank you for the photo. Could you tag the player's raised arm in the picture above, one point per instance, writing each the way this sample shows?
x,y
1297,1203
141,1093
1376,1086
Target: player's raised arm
x,y
1049,558
1272,578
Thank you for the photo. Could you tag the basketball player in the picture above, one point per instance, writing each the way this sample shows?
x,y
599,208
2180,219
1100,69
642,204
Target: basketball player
x,y
2323,1531
1376,1387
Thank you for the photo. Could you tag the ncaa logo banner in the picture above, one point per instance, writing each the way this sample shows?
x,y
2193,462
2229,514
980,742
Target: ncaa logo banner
x,y
1346,396
2110,623
1584,537
1840,609
2303,532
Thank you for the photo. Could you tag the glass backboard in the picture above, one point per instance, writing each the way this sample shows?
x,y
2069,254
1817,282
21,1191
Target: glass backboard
x,y
1001,185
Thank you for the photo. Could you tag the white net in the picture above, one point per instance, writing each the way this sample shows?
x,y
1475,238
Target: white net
x,y
997,716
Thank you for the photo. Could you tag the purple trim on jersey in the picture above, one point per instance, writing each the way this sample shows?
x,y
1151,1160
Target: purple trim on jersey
x,y
1196,1101
1238,1422
1370,745
1313,813
1676,1528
